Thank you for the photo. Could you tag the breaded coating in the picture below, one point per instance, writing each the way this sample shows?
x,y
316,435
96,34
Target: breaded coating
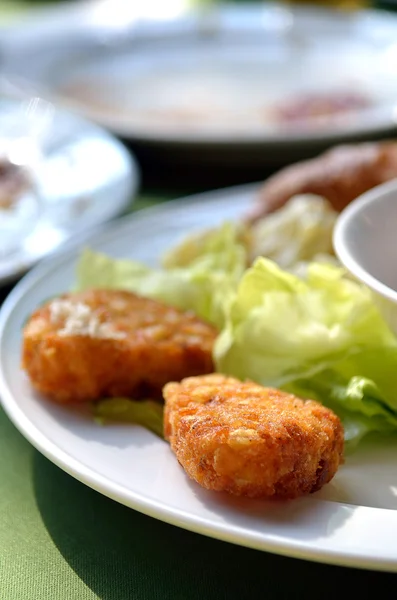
x,y
102,343
249,440
340,175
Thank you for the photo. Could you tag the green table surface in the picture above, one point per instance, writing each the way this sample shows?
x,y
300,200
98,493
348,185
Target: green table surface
x,y
60,540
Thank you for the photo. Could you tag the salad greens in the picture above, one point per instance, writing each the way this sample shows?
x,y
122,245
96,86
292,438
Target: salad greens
x,y
147,413
281,327
298,232
203,286
319,336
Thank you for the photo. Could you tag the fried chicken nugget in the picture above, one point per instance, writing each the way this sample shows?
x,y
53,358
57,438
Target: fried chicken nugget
x,y
340,175
249,440
101,343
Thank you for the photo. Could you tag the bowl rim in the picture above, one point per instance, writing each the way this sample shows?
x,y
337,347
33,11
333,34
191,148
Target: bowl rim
x,y
341,232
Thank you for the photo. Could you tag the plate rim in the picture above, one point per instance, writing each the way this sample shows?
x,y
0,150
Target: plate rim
x,y
155,508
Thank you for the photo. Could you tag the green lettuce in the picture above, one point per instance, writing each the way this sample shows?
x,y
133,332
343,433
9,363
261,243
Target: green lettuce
x,y
293,235
298,232
147,413
358,402
321,337
195,245
204,286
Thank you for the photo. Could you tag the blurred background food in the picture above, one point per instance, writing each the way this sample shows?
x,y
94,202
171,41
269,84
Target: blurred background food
x,y
340,175
229,91
208,94
299,232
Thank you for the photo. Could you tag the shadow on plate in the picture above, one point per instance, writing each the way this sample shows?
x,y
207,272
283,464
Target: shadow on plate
x,y
79,422
301,515
369,475
121,554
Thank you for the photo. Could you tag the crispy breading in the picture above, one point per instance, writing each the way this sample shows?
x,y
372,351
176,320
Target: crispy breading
x,y
101,343
340,175
248,440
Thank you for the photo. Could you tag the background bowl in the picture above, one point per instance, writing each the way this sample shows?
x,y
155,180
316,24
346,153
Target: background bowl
x,y
365,241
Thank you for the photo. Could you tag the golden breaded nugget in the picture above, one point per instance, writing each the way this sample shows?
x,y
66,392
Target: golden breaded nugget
x,y
340,175
101,343
249,440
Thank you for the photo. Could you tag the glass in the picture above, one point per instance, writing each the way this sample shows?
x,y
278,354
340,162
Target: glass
x,y
22,123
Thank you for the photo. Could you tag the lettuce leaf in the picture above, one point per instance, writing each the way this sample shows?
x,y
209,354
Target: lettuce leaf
x,y
147,413
296,233
358,402
204,286
321,337
196,244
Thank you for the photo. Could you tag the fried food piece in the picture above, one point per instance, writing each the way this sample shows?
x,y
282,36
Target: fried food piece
x,y
340,175
249,440
303,109
101,343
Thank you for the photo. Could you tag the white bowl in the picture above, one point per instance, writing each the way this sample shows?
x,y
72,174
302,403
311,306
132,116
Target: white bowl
x,y
365,241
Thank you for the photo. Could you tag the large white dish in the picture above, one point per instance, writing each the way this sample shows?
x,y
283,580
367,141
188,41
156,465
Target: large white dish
x,y
208,77
352,521
86,178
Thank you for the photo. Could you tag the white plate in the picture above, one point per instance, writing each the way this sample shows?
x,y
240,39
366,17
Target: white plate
x,y
211,77
86,178
352,521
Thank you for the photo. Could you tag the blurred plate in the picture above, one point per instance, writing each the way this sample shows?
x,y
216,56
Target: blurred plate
x,y
257,76
86,177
